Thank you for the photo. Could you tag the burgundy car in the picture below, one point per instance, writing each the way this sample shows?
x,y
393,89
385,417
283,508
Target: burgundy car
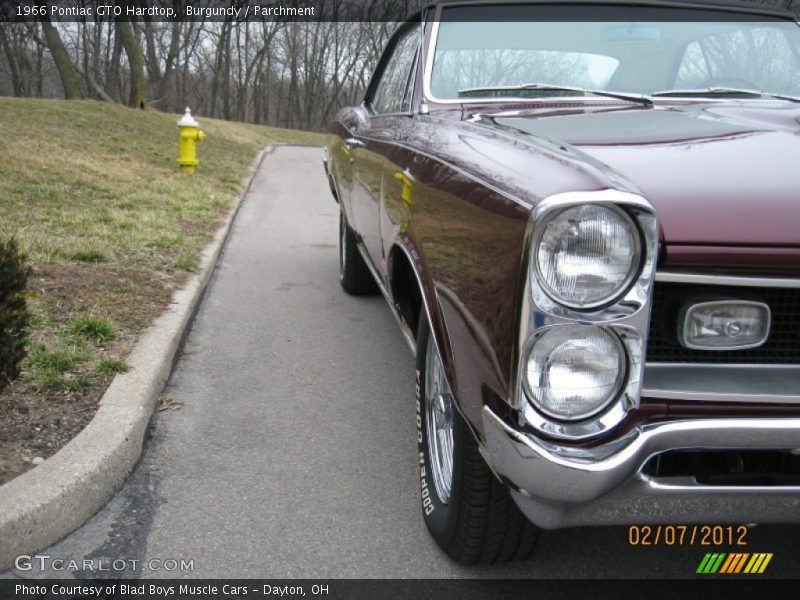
x,y
586,218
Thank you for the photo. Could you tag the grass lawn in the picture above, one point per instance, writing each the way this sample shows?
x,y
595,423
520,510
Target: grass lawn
x,y
111,227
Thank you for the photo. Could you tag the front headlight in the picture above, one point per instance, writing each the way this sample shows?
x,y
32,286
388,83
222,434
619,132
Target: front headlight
x,y
587,256
574,371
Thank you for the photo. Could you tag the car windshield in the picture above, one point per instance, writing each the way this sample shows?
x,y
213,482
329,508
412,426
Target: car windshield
x,y
533,50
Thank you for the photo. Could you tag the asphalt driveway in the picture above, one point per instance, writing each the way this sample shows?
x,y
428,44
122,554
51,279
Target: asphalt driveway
x,y
288,445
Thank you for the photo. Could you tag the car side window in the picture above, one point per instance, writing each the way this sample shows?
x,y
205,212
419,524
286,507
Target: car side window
x,y
393,92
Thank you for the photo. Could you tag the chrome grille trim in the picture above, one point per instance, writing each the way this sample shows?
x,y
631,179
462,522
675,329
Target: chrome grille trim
x,y
751,384
731,382
775,282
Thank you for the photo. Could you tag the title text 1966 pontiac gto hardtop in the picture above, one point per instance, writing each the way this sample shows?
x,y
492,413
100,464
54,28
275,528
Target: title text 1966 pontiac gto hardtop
x,y
586,218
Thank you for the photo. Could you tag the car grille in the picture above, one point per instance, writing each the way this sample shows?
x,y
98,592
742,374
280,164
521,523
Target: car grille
x,y
782,346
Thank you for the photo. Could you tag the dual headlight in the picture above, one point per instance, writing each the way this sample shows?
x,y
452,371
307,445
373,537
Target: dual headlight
x,y
574,372
586,257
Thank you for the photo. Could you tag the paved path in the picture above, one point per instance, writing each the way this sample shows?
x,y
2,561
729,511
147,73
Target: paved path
x,y
293,452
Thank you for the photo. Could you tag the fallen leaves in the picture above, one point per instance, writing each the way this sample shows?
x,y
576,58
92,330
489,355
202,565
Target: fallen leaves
x,y
170,403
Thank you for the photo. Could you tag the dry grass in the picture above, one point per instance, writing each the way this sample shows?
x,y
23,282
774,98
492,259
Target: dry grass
x,y
93,195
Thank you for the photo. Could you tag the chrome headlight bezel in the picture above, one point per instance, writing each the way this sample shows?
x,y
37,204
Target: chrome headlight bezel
x,y
620,289
628,316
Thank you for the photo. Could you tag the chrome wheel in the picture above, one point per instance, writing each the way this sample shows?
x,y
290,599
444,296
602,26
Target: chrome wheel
x,y
439,417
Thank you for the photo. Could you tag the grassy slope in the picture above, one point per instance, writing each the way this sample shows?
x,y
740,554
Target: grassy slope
x,y
78,178
92,193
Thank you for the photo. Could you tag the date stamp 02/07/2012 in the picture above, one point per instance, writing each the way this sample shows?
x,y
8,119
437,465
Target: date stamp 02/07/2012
x,y
688,535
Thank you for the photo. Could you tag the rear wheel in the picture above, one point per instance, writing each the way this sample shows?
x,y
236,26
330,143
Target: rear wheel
x,y
469,513
353,272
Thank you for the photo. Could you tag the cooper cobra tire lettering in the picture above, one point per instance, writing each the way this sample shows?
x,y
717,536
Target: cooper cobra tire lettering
x,y
480,522
427,503
419,409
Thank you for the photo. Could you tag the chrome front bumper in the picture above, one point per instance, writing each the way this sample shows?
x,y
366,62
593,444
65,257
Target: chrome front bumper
x,y
559,486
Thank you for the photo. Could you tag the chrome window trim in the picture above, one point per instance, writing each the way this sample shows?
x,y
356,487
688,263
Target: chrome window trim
x,y
383,62
427,95
731,280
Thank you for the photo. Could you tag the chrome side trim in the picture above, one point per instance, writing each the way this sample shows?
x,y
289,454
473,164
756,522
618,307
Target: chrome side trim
x,y
762,384
426,302
407,335
774,282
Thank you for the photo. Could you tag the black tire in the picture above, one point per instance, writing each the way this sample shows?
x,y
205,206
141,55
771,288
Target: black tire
x,y
354,275
480,523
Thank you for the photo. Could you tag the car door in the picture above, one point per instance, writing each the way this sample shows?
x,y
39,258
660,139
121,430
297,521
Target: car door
x,y
387,101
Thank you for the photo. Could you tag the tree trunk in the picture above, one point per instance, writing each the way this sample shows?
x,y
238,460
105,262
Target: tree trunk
x,y
219,63
16,81
169,67
138,96
112,74
69,79
39,68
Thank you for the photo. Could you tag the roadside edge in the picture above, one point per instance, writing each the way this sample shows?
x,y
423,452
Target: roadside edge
x,y
43,505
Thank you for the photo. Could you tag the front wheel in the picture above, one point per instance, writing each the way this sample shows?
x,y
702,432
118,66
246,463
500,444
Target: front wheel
x,y
469,513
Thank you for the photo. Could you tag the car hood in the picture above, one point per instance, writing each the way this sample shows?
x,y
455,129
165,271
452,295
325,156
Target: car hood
x,y
724,174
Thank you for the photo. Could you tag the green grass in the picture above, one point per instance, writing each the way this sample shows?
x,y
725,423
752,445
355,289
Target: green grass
x,y
88,182
55,366
111,366
94,328
60,360
189,262
88,256
94,197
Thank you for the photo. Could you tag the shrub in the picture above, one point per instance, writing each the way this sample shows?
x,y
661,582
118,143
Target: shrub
x,y
13,311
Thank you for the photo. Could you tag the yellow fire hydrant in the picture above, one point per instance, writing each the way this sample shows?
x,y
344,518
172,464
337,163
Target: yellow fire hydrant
x,y
190,134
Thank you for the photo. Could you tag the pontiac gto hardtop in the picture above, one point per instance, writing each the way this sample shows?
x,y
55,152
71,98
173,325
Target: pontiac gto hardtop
x,y
586,219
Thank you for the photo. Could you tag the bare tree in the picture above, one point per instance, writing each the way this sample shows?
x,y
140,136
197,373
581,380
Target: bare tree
x,y
273,72
69,78
133,50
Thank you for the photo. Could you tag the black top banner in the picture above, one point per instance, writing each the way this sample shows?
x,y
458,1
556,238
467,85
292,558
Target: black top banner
x,y
306,10
207,10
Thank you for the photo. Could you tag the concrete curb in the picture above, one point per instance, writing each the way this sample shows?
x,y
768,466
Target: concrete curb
x,y
53,499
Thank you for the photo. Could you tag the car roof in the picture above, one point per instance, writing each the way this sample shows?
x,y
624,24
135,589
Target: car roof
x,y
777,8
